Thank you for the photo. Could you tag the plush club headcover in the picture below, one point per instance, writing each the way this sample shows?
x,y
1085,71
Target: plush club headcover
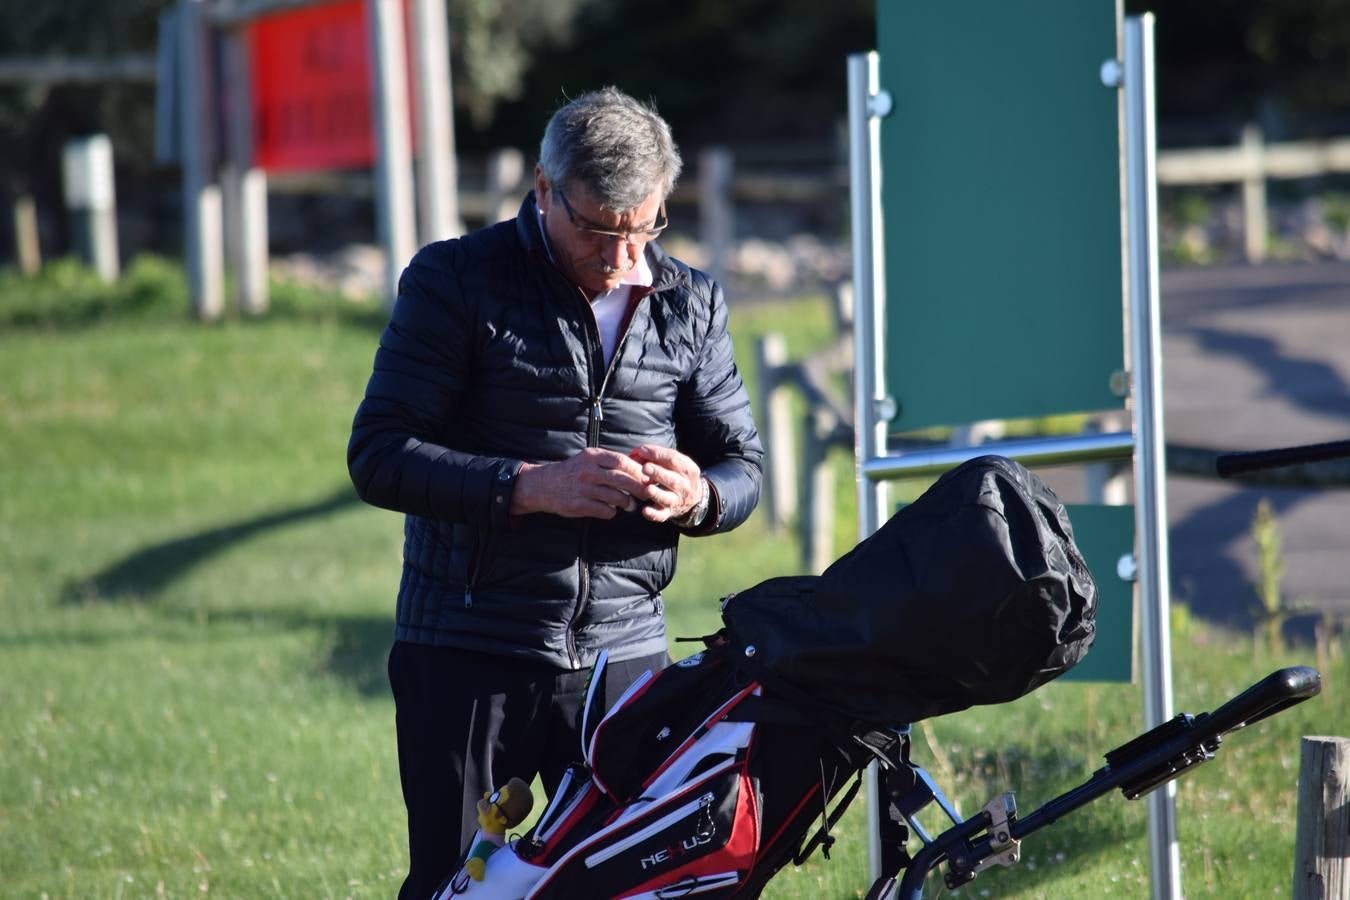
x,y
975,593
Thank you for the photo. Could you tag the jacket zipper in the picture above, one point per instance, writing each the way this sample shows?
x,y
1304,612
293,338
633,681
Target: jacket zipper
x,y
595,419
479,557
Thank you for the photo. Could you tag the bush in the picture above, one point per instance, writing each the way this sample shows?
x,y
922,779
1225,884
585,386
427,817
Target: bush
x,y
67,293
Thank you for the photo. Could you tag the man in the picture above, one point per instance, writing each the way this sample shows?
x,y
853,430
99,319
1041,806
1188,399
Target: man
x,y
554,402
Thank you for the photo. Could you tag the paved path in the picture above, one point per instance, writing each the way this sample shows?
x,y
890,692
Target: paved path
x,y
1253,358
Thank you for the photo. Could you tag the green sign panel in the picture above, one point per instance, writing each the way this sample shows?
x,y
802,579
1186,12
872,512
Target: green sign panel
x,y
1104,534
1001,201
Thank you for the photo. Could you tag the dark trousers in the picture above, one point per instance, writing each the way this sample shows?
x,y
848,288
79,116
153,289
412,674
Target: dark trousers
x,y
469,721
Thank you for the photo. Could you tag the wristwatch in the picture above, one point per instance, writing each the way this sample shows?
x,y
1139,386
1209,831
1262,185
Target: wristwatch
x,y
699,511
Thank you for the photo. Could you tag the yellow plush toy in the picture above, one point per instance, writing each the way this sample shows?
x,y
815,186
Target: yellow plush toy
x,y
498,811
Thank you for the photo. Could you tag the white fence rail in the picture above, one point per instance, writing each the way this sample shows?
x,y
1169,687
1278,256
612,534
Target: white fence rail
x,y
1251,163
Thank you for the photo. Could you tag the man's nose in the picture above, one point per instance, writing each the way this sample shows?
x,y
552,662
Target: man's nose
x,y
616,253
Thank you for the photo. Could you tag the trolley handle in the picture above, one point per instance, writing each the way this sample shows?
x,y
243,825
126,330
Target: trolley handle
x,y
1230,464
1148,761
1276,692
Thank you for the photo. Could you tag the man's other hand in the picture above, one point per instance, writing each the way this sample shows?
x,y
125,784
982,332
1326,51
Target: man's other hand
x,y
674,482
595,483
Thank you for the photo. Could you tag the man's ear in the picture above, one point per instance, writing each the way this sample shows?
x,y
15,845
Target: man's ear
x,y
541,186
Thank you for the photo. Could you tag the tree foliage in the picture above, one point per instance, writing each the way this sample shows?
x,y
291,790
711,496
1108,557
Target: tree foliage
x,y
1284,63
36,119
751,70
493,42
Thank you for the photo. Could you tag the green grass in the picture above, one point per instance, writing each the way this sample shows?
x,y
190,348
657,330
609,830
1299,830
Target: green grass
x,y
197,612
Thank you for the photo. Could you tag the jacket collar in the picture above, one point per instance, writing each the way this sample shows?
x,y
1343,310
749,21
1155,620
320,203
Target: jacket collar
x,y
666,273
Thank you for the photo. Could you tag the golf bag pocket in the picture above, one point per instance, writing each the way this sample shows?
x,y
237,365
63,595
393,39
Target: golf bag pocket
x,y
698,840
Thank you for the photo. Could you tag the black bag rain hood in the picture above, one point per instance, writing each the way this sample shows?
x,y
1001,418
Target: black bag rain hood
x,y
975,593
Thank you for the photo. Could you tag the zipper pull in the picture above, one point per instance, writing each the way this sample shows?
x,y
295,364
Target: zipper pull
x,y
704,826
599,412
468,598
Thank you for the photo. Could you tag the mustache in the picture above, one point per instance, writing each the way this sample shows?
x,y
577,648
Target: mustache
x,y
606,269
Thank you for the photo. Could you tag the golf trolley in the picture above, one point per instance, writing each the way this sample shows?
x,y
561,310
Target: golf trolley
x,y
993,836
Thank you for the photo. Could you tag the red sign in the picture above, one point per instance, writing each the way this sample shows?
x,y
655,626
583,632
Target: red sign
x,y
312,89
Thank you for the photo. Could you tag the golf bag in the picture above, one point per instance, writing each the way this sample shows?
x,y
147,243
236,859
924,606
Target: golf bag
x,y
707,778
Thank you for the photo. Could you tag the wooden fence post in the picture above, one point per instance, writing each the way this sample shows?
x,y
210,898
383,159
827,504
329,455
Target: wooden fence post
x,y
505,174
387,32
203,223
1254,193
26,244
1322,842
437,176
91,201
816,524
717,224
243,184
774,413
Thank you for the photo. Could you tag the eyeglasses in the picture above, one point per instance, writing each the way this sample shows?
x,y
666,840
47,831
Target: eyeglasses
x,y
640,236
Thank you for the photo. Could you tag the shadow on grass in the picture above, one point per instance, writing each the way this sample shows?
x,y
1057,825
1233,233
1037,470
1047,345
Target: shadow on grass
x,y
359,653
145,573
355,652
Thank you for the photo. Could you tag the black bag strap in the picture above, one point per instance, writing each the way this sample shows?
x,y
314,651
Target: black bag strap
x,y
821,837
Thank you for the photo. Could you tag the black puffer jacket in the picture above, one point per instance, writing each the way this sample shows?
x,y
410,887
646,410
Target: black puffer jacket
x,y
492,358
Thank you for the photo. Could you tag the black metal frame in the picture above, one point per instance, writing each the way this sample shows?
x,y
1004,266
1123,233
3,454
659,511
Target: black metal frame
x,y
1230,464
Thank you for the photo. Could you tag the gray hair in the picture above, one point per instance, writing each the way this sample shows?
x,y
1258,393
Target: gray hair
x,y
615,147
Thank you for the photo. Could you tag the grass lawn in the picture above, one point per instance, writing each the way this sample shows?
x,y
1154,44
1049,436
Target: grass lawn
x,y
197,612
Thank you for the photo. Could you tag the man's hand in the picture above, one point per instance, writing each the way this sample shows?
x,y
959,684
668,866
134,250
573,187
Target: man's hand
x,y
595,483
674,482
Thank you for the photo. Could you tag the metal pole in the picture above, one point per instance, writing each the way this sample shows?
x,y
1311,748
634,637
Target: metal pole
x,y
1031,452
868,279
438,189
393,163
1150,496
866,104
202,225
